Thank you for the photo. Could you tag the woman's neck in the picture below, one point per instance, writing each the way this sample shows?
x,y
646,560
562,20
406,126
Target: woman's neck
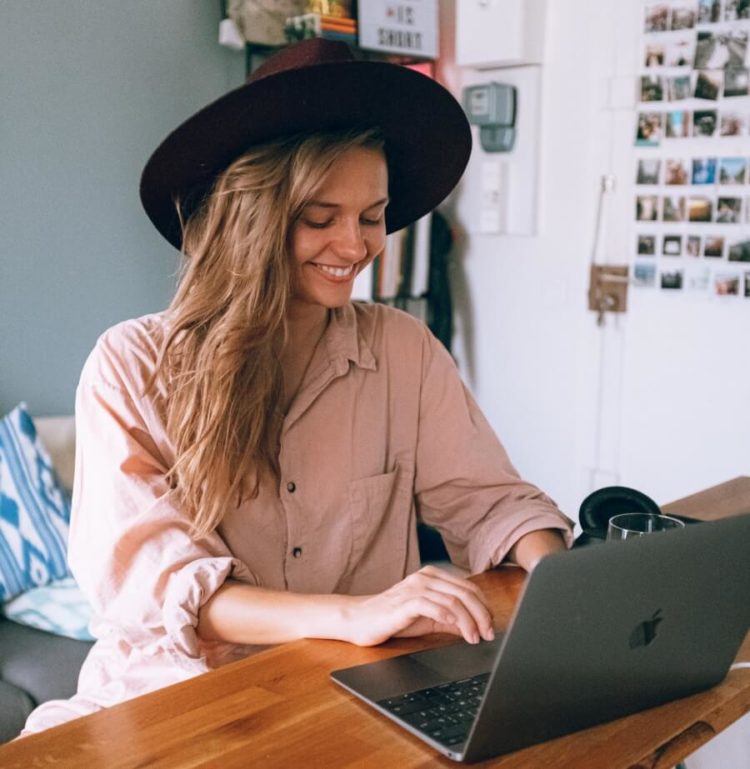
x,y
305,321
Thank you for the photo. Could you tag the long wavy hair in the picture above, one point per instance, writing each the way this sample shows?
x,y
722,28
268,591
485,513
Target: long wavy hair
x,y
219,360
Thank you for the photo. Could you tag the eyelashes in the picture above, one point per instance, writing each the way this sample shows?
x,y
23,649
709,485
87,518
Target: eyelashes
x,y
330,222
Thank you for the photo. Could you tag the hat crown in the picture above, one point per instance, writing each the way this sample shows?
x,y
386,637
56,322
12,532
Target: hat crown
x,y
307,53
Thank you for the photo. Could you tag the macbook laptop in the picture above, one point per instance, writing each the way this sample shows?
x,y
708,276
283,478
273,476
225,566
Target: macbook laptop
x,y
598,633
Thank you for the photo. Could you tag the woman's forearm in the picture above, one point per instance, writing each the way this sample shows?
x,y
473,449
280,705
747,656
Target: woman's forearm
x,y
245,614
427,601
532,547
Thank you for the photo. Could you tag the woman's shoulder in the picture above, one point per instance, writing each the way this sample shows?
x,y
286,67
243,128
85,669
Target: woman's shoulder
x,y
376,320
401,340
126,354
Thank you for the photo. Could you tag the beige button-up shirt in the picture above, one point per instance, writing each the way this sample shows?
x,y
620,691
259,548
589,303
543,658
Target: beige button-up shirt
x,y
381,434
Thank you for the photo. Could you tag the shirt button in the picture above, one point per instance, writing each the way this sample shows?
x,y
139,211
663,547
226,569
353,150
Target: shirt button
x,y
297,552
291,487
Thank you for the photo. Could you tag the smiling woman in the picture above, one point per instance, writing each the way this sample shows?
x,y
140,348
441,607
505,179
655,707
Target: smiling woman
x,y
342,230
252,462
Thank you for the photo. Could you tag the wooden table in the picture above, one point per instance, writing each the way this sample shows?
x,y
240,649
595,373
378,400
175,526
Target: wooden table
x,y
279,709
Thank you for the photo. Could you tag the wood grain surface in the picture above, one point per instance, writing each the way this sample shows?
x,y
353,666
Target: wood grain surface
x,y
280,709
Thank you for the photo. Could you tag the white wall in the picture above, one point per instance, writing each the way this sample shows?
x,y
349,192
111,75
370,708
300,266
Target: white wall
x,y
656,400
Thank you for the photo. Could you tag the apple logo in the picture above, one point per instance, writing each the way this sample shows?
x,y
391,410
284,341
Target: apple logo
x,y
645,632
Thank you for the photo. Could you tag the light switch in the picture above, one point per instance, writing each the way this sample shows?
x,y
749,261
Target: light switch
x,y
492,200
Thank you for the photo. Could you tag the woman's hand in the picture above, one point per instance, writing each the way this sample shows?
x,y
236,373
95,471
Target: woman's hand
x,y
429,601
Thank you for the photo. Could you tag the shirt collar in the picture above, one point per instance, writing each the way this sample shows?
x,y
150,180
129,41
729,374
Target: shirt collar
x,y
344,341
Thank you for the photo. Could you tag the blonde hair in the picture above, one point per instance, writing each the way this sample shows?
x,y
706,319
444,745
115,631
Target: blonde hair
x,y
227,322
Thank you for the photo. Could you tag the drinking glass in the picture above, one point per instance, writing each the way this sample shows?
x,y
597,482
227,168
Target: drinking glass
x,y
627,525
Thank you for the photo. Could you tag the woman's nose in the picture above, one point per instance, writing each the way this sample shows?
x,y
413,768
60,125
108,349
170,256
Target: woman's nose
x,y
349,242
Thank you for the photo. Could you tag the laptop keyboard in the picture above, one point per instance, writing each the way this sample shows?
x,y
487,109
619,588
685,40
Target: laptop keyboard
x,y
444,712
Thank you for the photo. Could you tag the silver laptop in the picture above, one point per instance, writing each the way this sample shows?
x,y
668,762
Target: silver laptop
x,y
598,633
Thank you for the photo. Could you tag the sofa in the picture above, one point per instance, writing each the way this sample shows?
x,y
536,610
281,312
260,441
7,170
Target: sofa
x,y
35,665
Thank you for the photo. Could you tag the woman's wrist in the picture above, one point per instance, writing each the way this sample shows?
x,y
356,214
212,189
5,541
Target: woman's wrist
x,y
532,547
239,613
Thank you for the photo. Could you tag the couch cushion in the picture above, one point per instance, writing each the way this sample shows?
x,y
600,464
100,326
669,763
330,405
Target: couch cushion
x,y
34,509
58,608
44,665
58,436
15,706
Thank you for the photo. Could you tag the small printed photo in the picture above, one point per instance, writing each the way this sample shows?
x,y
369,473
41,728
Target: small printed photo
x,y
733,123
671,279
693,245
737,48
673,208
709,11
678,88
720,50
700,210
680,51
713,247
704,170
646,245
727,284
732,170
650,129
657,18
740,251
736,81
697,278
683,16
678,124
647,208
736,9
672,245
644,274
704,122
708,84
652,88
728,210
747,284
654,55
676,171
648,171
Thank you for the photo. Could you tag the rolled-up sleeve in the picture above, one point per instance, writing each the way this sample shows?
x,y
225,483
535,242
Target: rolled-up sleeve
x,y
130,547
465,484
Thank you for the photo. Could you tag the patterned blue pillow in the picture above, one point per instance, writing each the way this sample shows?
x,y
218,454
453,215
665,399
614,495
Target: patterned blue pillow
x,y
58,608
34,509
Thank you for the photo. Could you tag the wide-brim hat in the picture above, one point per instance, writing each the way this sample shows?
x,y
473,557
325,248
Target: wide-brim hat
x,y
316,85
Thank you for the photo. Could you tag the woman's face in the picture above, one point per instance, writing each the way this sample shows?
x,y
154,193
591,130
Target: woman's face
x,y
341,230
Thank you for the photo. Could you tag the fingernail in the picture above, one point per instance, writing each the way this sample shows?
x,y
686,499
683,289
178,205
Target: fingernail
x,y
490,635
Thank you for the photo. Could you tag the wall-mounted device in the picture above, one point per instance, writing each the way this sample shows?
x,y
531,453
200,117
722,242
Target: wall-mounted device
x,y
492,106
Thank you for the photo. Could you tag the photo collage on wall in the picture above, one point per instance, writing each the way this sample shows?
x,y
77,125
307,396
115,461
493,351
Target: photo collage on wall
x,y
692,138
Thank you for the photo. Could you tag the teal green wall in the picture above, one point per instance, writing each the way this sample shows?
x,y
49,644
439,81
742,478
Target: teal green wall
x,y
88,88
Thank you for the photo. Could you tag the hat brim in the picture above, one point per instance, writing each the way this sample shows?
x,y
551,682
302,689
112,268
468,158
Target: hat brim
x,y
428,139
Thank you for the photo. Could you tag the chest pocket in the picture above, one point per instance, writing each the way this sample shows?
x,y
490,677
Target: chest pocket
x,y
381,509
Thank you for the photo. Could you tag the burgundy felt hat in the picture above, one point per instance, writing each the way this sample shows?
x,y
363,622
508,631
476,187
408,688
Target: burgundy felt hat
x,y
317,85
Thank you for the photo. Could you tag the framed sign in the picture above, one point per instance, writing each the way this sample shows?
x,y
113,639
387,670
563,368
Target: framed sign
x,y
406,28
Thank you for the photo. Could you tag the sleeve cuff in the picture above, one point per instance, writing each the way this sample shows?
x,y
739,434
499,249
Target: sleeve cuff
x,y
545,520
190,588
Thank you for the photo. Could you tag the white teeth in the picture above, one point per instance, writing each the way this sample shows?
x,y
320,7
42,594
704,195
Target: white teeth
x,y
337,272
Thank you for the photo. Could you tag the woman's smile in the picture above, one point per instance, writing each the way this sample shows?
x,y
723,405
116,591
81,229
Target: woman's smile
x,y
337,274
